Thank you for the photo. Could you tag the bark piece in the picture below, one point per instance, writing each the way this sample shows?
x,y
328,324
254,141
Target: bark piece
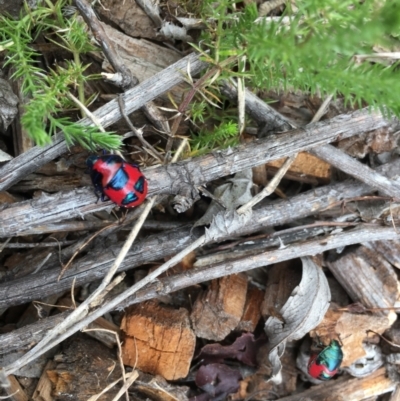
x,y
390,250
352,331
44,388
282,280
367,277
252,311
8,105
158,389
218,310
377,141
306,167
16,390
84,369
142,57
129,17
158,340
347,389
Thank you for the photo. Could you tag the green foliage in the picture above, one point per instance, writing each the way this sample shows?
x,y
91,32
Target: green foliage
x,y
223,135
48,90
315,51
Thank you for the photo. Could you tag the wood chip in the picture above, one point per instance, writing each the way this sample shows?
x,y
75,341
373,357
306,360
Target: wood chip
x,y
158,340
306,168
218,311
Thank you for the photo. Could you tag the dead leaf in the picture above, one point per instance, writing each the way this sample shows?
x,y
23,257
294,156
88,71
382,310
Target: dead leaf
x,y
245,349
303,311
226,223
217,380
234,193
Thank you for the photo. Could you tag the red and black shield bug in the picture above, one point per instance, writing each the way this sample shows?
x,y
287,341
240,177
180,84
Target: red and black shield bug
x,y
325,364
121,182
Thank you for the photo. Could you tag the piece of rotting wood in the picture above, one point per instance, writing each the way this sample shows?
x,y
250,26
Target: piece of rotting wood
x,y
15,391
158,340
306,168
367,277
44,387
84,368
142,57
252,310
217,311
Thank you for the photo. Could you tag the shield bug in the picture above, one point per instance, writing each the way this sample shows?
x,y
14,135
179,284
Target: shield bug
x,y
324,365
121,182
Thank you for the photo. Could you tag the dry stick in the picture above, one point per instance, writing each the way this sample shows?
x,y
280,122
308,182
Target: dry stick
x,y
94,298
277,213
170,284
87,112
138,133
152,9
108,114
270,187
36,244
128,81
261,112
90,239
360,171
124,389
41,347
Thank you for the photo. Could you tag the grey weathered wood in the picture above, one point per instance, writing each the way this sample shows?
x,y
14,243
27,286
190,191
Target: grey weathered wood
x,y
96,263
266,116
27,336
183,177
108,114
269,120
360,171
166,285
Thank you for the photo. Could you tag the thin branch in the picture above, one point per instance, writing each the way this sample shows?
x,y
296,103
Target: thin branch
x,y
360,171
174,283
163,245
108,114
128,80
270,188
182,177
138,132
